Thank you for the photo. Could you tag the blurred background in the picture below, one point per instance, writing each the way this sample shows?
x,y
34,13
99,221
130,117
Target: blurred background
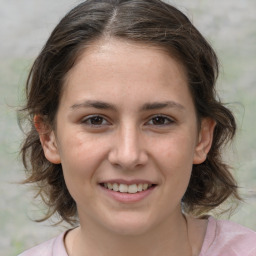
x,y
25,26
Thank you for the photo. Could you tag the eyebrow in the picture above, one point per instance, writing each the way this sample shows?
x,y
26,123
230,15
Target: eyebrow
x,y
145,107
93,104
161,105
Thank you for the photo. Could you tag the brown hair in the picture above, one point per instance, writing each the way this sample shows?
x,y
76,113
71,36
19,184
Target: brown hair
x,y
150,22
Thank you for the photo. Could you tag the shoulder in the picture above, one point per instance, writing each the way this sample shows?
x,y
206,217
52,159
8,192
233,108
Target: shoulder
x,y
53,247
226,238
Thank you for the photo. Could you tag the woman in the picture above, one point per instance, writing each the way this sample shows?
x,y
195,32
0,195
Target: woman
x,y
126,135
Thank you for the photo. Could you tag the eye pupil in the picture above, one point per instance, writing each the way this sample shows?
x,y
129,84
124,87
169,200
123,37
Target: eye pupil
x,y
97,120
159,120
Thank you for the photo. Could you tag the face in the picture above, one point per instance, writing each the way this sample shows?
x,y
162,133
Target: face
x,y
127,136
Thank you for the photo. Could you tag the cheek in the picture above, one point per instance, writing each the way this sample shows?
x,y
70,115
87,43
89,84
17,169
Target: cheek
x,y
174,160
81,157
176,150
174,157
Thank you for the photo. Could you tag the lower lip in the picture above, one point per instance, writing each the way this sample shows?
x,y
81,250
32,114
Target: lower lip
x,y
127,197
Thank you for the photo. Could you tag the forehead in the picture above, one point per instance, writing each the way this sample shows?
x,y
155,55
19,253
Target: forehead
x,y
112,51
113,67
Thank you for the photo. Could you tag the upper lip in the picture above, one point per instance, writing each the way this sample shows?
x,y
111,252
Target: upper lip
x,y
128,182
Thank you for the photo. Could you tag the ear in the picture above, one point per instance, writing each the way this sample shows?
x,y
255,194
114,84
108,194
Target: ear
x,y
47,139
204,140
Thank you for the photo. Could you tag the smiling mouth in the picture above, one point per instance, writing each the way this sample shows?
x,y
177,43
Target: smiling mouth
x,y
130,189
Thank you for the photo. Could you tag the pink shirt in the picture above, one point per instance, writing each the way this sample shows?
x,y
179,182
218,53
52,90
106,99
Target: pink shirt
x,y
223,238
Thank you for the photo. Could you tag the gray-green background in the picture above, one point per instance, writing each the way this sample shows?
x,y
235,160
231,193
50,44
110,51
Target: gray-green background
x,y
229,25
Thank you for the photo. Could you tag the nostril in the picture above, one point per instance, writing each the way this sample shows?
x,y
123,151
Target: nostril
x,y
126,160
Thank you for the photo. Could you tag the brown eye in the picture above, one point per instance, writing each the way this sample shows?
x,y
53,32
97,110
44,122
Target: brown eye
x,y
160,120
95,121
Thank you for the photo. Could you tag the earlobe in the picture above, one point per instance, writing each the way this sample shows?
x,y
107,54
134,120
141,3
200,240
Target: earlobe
x,y
48,140
205,140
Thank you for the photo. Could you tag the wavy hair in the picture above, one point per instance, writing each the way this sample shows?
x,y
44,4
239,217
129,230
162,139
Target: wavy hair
x,y
150,22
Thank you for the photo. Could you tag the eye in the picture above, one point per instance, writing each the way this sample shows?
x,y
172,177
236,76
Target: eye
x,y
95,120
160,120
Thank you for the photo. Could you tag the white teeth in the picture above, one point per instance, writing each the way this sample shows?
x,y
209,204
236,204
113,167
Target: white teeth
x,y
110,186
140,187
124,188
132,189
115,187
145,186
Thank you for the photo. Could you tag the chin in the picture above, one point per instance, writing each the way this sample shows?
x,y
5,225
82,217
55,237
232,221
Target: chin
x,y
128,225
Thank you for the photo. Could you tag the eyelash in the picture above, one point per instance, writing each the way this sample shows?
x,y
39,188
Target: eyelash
x,y
90,119
167,120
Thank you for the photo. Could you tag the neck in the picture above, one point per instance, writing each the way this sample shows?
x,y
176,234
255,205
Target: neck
x,y
168,238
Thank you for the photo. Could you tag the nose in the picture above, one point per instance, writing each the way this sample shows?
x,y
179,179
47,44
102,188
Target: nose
x,y
127,151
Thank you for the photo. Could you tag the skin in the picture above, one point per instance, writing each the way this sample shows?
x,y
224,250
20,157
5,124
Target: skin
x,y
128,136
